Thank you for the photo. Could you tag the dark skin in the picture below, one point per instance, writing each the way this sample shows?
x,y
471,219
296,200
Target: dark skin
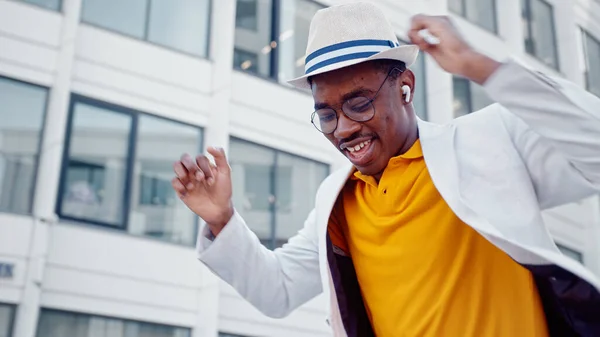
x,y
393,129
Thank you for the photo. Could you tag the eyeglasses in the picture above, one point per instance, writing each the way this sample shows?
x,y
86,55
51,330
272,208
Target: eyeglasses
x,y
358,109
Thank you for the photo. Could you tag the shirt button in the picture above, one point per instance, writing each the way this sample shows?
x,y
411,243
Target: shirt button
x,y
385,191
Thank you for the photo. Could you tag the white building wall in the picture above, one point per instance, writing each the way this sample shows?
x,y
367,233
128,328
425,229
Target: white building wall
x,y
82,268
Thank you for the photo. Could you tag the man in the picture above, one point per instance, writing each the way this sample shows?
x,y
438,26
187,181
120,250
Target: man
x,y
434,230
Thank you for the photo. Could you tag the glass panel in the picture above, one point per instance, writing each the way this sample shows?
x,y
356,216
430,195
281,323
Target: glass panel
x,y
94,183
127,17
255,41
62,324
482,12
295,17
542,33
420,98
245,60
155,209
180,24
7,314
22,109
461,90
457,7
592,54
246,14
296,183
48,4
252,170
479,98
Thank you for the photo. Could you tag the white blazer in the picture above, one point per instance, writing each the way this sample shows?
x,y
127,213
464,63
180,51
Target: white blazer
x,y
496,168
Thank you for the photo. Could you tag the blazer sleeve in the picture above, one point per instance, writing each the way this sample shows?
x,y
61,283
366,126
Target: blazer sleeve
x,y
555,126
275,282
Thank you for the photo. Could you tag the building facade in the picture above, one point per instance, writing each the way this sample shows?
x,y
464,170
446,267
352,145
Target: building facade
x,y
99,97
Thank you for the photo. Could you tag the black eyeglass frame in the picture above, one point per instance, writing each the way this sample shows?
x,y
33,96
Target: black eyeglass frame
x,y
369,101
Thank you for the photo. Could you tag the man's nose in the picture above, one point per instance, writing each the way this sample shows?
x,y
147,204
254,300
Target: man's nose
x,y
345,127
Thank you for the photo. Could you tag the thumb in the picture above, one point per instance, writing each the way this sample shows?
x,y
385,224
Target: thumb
x,y
220,159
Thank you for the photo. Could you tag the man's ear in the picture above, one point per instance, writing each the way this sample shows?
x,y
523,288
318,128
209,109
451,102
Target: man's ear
x,y
407,85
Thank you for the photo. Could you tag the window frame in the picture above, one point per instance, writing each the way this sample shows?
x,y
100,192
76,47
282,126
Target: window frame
x,y
92,315
531,40
40,140
57,10
495,28
585,35
145,39
273,75
123,225
11,324
272,239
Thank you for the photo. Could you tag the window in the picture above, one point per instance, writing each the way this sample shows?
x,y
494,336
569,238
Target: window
x,y
468,97
118,167
540,35
271,36
592,63
61,324
225,334
7,316
575,255
177,24
48,4
480,12
22,110
273,191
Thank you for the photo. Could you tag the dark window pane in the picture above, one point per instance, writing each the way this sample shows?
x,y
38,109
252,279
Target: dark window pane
x,y
420,98
60,324
294,21
48,4
127,17
468,97
540,39
462,96
256,41
245,60
246,14
482,13
272,190
180,24
155,209
22,109
456,6
296,183
592,56
94,183
7,315
252,177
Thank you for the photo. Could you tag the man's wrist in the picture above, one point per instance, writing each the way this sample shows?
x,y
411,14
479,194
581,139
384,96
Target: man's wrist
x,y
478,67
216,227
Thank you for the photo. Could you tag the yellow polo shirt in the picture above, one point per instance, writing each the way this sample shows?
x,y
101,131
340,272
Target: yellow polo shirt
x,y
421,270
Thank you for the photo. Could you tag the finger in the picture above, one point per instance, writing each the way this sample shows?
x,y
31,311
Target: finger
x,y
220,159
180,170
417,39
189,164
178,186
204,165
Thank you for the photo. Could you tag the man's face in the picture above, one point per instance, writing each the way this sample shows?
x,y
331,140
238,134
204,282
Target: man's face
x,y
368,145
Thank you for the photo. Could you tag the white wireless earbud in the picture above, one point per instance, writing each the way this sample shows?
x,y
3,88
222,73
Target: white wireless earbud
x,y
406,92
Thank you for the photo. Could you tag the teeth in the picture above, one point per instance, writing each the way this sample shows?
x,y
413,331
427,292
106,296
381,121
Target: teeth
x,y
359,146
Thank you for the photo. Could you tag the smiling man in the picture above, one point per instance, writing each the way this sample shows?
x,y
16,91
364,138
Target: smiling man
x,y
431,230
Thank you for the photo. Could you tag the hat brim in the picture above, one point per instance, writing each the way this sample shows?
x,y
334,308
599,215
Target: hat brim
x,y
406,53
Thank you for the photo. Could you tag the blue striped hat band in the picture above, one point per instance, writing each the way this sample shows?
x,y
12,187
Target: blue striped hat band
x,y
344,51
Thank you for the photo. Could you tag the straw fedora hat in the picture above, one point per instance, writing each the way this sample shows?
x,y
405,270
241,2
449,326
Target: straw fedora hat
x,y
345,35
